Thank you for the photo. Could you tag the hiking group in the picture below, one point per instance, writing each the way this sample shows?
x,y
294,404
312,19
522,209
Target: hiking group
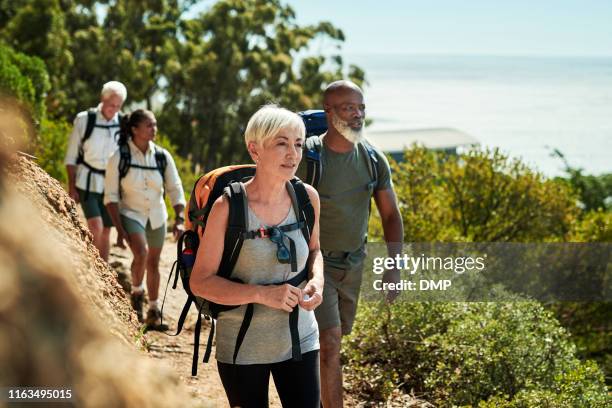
x,y
272,253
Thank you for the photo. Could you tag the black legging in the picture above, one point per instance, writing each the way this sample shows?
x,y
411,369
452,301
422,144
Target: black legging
x,y
297,382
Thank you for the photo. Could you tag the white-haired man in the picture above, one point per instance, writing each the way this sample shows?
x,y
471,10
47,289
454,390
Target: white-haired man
x,y
92,142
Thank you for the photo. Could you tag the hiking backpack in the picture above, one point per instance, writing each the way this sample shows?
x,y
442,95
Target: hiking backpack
x,y
125,162
316,125
91,124
227,181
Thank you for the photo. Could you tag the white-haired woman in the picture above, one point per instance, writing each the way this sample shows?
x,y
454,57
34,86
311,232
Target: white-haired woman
x,y
274,139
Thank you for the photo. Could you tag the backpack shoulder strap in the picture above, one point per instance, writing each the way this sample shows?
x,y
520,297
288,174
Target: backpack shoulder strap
x,y
314,169
238,220
237,224
372,161
302,206
161,161
125,160
91,123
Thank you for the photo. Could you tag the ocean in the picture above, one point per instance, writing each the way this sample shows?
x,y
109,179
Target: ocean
x,y
526,106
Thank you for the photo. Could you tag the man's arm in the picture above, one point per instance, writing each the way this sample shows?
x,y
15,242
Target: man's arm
x,y
72,152
393,229
72,191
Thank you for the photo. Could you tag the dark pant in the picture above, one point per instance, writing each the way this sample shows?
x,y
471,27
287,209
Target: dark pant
x,y
297,382
94,206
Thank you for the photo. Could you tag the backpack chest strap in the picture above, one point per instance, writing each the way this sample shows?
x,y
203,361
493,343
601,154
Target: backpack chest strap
x,y
265,232
111,126
91,170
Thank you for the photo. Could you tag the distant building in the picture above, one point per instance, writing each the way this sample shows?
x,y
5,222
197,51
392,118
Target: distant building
x,y
448,140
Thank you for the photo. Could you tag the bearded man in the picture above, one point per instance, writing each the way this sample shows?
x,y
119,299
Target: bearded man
x,y
352,171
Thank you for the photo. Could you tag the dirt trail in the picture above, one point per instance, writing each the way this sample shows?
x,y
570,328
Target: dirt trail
x,y
177,351
104,291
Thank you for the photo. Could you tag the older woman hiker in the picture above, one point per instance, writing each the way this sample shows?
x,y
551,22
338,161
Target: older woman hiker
x,y
137,176
274,137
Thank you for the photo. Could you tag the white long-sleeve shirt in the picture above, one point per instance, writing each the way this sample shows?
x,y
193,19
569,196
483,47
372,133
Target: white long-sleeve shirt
x,y
97,149
142,190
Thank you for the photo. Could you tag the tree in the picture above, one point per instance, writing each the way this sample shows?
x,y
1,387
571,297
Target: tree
x,y
132,44
595,192
236,57
37,28
210,72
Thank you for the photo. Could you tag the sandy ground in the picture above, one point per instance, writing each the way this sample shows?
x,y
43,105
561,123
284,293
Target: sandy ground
x,y
177,351
105,291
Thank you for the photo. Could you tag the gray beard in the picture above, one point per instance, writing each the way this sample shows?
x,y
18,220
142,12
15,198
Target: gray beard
x,y
352,135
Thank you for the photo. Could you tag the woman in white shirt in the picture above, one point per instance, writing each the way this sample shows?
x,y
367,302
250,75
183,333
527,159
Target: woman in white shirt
x,y
137,176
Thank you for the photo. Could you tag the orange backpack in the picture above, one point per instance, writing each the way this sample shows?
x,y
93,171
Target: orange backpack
x,y
227,181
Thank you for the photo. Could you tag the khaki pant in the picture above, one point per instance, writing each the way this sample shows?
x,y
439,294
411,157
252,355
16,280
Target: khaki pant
x,y
343,273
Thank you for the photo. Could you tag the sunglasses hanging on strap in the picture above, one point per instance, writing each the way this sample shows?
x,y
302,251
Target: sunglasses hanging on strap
x,y
277,235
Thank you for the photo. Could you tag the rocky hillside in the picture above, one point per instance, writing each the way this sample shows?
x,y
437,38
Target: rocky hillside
x,y
64,320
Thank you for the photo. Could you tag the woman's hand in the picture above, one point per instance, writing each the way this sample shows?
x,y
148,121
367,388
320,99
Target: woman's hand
x,y
284,297
122,235
312,295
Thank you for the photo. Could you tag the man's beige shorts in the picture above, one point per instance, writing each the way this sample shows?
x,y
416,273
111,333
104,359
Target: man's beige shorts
x,y
343,274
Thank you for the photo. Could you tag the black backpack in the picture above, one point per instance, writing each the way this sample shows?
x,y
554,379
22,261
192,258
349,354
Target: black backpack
x,y
227,181
125,162
91,124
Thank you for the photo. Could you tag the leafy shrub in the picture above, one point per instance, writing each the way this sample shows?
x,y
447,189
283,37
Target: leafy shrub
x,y
577,388
479,196
465,353
595,226
594,192
25,78
50,148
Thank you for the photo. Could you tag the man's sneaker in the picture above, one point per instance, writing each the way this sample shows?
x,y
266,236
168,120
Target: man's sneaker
x,y
137,299
153,321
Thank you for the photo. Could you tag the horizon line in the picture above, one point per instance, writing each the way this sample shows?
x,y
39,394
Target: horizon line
x,y
454,54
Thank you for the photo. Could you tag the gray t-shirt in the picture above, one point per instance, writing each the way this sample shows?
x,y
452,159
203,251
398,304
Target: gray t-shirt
x,y
268,339
345,200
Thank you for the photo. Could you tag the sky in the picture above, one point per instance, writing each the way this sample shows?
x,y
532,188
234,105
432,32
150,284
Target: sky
x,y
468,27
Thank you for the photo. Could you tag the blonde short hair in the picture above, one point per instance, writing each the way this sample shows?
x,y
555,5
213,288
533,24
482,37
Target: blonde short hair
x,y
269,120
114,88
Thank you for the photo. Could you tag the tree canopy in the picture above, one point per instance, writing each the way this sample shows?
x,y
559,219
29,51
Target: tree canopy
x,y
204,74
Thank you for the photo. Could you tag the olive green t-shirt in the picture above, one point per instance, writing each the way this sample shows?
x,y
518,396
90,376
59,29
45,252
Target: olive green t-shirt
x,y
345,190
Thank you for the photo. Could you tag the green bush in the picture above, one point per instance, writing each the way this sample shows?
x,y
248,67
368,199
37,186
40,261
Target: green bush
x,y
594,192
594,226
479,196
25,78
50,148
466,353
577,388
